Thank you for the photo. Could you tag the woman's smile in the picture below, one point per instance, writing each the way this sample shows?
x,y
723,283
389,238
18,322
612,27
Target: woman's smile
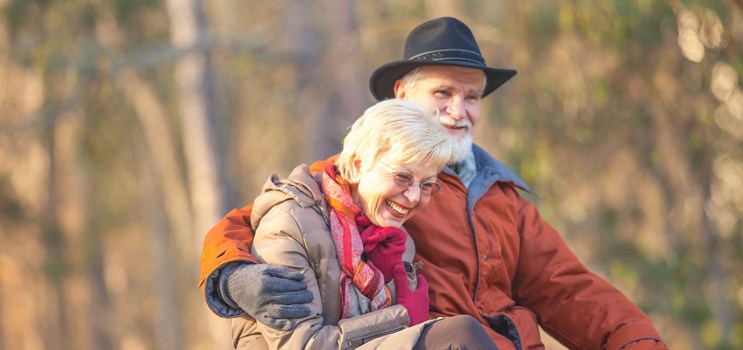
x,y
396,209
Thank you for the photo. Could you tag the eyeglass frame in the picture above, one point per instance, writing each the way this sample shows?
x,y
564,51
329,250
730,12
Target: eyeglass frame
x,y
396,178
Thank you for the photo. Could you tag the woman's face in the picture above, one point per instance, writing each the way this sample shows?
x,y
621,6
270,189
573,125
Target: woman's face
x,y
386,203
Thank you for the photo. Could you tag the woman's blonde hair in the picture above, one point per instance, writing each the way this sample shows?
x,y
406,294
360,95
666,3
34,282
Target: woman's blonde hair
x,y
401,132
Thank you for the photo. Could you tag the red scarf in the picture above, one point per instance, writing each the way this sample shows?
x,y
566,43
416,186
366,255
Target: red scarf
x,y
362,285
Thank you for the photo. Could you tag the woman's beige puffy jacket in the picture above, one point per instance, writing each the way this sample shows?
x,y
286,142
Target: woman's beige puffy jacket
x,y
291,229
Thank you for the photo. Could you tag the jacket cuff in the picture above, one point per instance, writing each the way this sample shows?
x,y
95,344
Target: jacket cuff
x,y
217,296
645,344
631,333
504,325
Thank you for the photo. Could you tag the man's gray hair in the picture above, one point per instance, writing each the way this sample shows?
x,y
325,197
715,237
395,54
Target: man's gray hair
x,y
410,79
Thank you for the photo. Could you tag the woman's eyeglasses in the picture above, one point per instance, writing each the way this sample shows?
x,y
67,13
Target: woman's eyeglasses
x,y
405,180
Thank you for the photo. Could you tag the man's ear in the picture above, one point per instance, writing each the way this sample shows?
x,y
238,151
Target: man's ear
x,y
399,89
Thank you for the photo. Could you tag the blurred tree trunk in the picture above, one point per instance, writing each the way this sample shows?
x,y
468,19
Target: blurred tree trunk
x,y
166,201
97,308
195,92
87,322
331,88
166,315
341,67
54,326
311,95
161,145
162,156
722,306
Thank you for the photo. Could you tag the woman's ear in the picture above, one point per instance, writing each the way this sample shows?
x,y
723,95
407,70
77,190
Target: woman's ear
x,y
356,170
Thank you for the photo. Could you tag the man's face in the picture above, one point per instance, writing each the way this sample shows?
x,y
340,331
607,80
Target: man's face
x,y
455,91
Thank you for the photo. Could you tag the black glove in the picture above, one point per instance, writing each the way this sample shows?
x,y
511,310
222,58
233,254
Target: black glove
x,y
273,295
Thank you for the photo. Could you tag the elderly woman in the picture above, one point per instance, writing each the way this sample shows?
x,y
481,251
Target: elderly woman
x,y
340,225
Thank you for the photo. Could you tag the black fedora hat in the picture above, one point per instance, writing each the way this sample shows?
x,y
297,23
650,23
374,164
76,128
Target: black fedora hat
x,y
444,41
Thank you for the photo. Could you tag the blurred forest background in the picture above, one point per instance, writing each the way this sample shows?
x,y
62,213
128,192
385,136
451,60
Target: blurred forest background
x,y
129,127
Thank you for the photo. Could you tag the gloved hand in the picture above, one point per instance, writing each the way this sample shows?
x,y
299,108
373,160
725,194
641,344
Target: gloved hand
x,y
415,301
384,247
273,295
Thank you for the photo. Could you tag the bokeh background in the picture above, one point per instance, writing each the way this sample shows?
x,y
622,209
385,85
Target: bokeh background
x,y
129,127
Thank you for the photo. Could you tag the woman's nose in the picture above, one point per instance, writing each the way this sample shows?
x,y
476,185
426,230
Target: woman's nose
x,y
413,193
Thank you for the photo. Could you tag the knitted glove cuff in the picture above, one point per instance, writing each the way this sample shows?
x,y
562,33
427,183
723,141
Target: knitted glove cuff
x,y
224,280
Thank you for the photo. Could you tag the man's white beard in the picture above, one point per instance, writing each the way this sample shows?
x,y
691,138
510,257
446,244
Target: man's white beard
x,y
464,146
465,167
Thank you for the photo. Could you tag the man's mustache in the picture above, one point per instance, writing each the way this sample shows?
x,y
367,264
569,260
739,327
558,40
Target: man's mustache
x,y
451,122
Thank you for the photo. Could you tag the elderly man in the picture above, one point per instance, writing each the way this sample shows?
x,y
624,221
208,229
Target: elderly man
x,y
486,251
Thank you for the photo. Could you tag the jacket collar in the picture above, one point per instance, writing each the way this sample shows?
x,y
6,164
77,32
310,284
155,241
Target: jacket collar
x,y
489,172
497,170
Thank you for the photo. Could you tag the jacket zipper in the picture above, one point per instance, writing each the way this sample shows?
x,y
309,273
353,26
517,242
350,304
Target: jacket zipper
x,y
477,255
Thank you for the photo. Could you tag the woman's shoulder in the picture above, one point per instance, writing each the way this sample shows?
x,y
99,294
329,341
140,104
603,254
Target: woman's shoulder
x,y
297,191
291,218
294,204
287,221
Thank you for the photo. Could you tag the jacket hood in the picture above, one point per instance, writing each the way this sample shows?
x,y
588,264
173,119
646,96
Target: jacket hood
x,y
301,186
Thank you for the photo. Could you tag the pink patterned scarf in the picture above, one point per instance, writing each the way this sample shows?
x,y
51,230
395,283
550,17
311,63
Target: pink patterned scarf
x,y
362,285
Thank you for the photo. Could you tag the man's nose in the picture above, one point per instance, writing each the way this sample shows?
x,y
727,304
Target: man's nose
x,y
456,108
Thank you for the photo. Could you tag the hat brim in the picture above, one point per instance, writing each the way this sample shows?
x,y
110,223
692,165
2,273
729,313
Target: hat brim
x,y
382,80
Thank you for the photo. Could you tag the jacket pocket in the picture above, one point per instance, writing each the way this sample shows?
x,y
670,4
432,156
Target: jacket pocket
x,y
361,329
